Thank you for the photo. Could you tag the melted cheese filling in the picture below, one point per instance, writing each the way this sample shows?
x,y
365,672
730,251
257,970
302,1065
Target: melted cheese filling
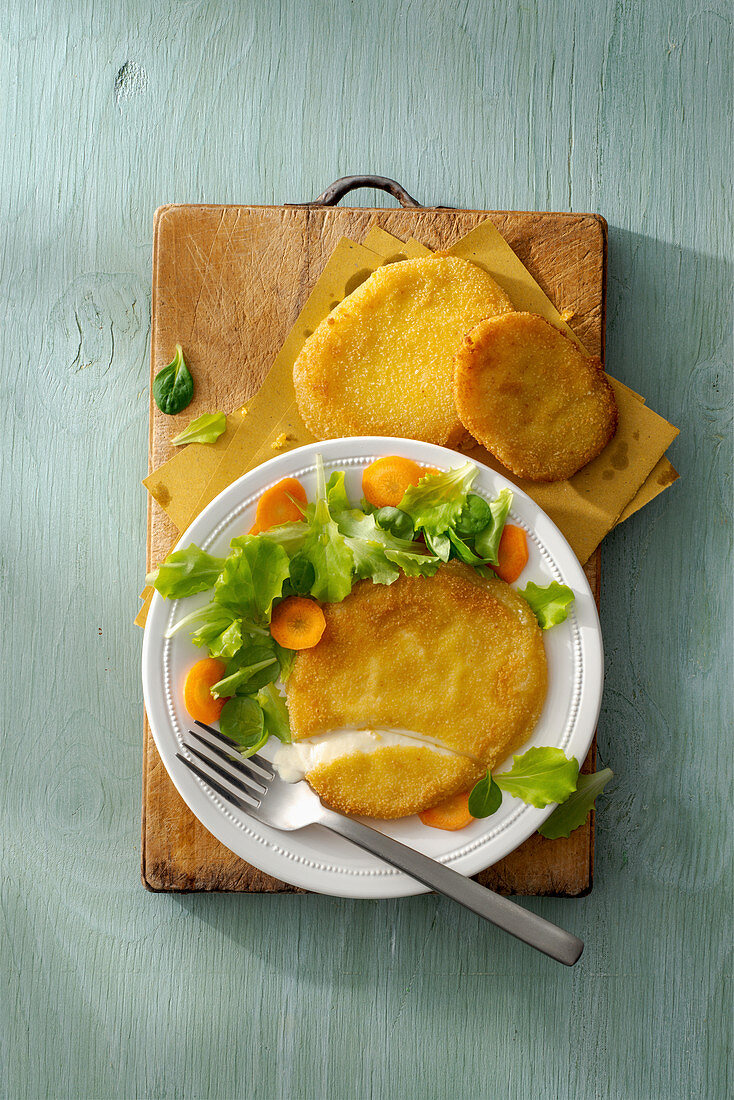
x,y
293,762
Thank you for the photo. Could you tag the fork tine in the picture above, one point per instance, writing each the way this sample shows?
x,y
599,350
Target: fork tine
x,y
229,796
248,788
236,762
260,761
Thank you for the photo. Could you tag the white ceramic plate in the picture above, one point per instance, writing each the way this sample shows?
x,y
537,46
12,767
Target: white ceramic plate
x,y
314,858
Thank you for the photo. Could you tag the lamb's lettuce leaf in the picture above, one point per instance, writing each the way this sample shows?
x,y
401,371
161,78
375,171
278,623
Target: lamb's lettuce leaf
x,y
485,797
540,776
251,668
474,516
207,428
577,807
185,572
395,522
243,720
550,603
459,549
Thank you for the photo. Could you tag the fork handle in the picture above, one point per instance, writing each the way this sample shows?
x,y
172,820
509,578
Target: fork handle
x,y
512,918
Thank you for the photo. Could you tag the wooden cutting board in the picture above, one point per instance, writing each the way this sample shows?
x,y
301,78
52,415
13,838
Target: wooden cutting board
x,y
228,284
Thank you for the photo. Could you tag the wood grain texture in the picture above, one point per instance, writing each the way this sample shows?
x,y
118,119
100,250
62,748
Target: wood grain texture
x,y
109,110
228,283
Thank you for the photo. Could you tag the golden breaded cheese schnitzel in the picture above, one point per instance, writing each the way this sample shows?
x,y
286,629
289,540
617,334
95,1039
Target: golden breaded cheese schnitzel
x,y
443,676
381,363
527,393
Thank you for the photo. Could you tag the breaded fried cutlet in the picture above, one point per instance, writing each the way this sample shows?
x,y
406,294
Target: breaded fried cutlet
x,y
381,362
455,661
526,392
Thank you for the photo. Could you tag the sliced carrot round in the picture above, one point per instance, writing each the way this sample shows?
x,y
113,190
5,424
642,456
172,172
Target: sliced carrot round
x,y
512,553
451,814
280,504
198,698
297,623
385,480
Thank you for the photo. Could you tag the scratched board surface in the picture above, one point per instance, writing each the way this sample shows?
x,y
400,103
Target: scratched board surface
x,y
109,110
232,303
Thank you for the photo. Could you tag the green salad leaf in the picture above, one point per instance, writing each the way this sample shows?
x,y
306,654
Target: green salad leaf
x,y
487,541
218,628
291,536
540,776
173,387
252,577
302,574
275,713
550,603
474,516
395,522
413,564
575,810
438,543
206,428
485,797
185,572
459,549
253,666
243,720
437,501
336,493
325,547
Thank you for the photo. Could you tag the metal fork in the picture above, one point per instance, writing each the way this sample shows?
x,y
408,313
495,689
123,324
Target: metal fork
x,y
253,787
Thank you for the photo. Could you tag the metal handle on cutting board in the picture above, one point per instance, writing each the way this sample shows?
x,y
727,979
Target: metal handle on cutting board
x,y
341,187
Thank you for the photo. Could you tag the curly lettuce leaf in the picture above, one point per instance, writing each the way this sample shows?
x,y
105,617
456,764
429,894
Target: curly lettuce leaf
x,y
291,536
206,428
336,493
186,572
413,564
487,541
540,776
326,548
218,628
437,501
253,576
550,604
577,807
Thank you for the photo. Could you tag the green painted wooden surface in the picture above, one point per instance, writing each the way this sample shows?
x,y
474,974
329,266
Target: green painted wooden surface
x,y
110,109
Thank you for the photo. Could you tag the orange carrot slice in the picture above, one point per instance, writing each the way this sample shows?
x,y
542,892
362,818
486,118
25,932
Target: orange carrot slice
x,y
385,480
512,553
198,698
297,623
451,814
278,504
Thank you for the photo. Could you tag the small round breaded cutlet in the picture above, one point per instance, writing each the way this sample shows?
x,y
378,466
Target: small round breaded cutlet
x,y
455,661
526,392
381,363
